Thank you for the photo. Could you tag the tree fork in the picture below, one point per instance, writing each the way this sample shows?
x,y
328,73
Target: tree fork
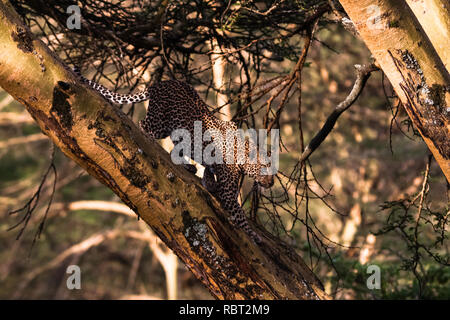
x,y
416,71
108,145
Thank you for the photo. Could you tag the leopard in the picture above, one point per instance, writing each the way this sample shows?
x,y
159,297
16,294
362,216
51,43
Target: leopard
x,y
175,104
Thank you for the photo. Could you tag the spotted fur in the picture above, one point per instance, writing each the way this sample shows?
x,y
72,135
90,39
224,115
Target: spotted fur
x,y
176,105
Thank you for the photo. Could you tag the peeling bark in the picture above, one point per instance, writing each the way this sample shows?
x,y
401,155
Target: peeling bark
x,y
218,72
412,65
107,144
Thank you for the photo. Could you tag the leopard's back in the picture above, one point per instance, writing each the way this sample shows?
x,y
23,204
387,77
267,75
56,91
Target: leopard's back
x,y
174,105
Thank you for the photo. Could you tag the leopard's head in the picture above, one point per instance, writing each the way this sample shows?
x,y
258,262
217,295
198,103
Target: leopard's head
x,y
259,165
265,181
261,174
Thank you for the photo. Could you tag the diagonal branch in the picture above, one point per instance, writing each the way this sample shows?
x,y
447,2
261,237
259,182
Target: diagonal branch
x,y
362,75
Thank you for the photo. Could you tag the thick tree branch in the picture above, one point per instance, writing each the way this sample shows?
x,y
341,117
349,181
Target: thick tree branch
x,y
107,144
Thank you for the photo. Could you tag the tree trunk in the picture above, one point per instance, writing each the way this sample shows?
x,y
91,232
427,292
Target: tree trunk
x,y
434,18
218,72
412,65
108,145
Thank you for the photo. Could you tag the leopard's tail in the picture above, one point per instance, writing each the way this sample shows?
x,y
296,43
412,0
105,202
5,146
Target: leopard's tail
x,y
112,96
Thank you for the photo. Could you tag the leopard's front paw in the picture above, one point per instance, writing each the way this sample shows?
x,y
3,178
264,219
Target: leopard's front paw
x,y
209,180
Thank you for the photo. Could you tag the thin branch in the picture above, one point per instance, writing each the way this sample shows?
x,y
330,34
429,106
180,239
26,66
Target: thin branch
x,y
293,78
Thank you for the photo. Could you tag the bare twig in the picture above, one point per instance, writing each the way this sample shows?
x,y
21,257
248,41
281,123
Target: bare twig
x,y
32,203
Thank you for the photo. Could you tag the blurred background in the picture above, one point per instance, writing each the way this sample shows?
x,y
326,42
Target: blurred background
x,y
371,194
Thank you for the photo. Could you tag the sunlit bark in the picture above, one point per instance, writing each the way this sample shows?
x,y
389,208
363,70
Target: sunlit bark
x,y
218,72
434,17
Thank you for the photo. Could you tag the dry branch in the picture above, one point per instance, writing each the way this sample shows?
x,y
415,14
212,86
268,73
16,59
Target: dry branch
x,y
362,75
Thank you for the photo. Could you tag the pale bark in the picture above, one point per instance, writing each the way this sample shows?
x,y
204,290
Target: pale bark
x,y
108,145
6,101
351,226
218,72
168,261
434,17
368,249
412,65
